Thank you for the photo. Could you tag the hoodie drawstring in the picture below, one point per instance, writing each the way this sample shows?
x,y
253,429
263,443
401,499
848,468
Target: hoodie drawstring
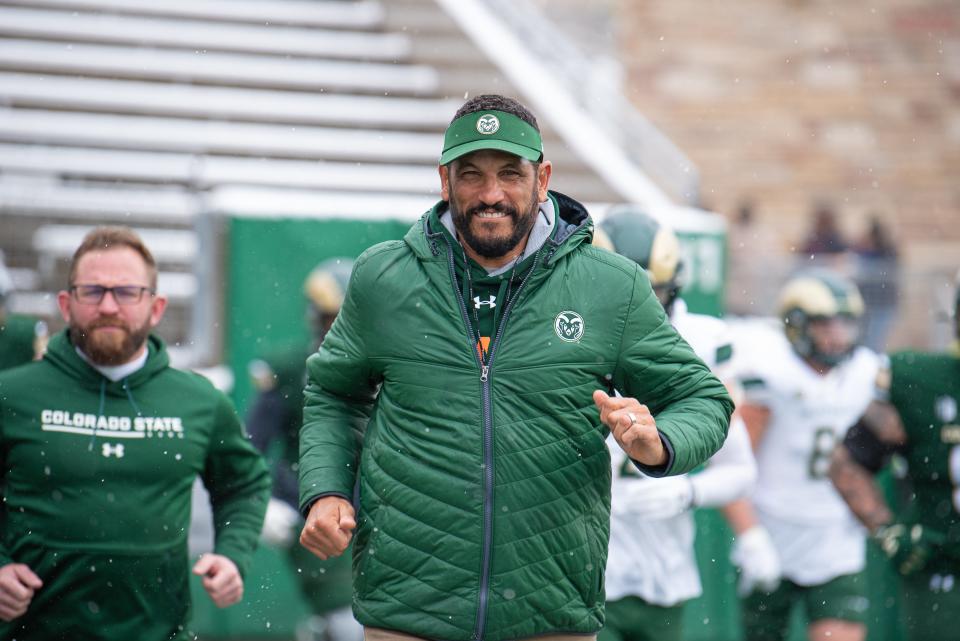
x,y
133,403
103,400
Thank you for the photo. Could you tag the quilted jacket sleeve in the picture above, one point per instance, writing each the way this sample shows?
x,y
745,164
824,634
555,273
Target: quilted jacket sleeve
x,y
658,368
338,399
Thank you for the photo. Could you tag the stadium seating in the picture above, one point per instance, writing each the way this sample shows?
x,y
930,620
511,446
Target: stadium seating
x,y
150,114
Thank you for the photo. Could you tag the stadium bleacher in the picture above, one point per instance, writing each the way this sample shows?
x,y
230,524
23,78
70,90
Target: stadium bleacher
x,y
149,114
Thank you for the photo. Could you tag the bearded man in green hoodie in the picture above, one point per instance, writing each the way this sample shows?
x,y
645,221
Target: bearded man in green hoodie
x,y
467,389
100,443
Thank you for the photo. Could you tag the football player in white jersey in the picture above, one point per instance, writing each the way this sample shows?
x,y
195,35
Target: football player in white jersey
x,y
803,387
651,568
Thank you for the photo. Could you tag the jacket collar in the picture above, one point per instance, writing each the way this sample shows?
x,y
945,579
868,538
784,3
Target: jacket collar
x,y
573,227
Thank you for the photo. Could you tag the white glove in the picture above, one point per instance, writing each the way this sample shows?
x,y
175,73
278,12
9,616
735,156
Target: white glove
x,y
759,563
655,499
280,524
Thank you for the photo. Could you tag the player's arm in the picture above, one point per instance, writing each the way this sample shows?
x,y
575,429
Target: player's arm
x,y
866,448
342,385
267,422
238,481
756,417
730,473
753,550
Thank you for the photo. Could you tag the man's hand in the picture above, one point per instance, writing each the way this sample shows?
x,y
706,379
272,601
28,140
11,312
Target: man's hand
x,y
633,427
329,527
759,563
221,579
656,498
17,586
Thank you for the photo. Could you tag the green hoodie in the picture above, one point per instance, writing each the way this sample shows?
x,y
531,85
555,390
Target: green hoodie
x,y
97,480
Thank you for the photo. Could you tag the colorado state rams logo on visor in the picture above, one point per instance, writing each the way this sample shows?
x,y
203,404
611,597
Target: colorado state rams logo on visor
x,y
488,124
568,326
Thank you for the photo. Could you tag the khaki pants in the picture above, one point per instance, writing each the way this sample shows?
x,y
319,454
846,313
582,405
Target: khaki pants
x,y
379,634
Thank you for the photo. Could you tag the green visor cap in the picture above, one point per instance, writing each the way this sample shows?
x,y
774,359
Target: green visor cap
x,y
491,130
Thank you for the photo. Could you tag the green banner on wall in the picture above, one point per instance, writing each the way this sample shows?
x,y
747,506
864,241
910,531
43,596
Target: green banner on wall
x,y
268,260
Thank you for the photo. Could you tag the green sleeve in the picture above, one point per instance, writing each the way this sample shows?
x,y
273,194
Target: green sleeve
x,y
238,481
659,369
341,388
4,552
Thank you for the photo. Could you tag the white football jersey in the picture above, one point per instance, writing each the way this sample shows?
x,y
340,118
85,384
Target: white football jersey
x,y
654,558
814,531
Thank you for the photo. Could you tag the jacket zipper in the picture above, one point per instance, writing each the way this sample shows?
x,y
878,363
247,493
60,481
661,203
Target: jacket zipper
x,y
487,443
487,433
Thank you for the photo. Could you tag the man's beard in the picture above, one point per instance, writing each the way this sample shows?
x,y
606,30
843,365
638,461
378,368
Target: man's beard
x,y
109,349
494,246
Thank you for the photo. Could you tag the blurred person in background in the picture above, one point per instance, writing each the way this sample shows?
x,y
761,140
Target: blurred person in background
x,y
22,339
824,238
463,384
274,421
101,442
803,387
877,277
916,417
651,566
756,265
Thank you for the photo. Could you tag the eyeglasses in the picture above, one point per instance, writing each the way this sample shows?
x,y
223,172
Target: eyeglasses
x,y
123,294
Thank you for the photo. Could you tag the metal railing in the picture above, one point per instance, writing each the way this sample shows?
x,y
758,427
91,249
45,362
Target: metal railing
x,y
601,95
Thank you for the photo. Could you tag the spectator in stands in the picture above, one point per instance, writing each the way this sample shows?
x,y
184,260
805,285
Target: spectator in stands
x,y
102,441
757,265
462,387
22,339
274,422
825,236
877,276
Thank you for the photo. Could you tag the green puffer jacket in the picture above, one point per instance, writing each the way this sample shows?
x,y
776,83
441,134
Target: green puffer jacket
x,y
485,500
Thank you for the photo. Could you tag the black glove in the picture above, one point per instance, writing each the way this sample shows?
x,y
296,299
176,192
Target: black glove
x,y
909,547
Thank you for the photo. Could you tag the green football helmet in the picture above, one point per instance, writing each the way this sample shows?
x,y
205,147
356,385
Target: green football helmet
x,y
641,238
821,312
325,288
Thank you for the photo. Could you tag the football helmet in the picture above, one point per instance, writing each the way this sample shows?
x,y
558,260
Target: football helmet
x,y
821,313
325,288
641,238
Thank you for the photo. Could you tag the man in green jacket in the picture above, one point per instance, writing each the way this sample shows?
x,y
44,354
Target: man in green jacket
x,y
100,444
467,387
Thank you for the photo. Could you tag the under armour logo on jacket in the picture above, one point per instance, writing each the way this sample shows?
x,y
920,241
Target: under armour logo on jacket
x,y
491,303
115,450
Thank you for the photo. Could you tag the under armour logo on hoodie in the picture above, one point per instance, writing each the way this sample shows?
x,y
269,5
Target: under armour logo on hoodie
x,y
491,303
115,450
